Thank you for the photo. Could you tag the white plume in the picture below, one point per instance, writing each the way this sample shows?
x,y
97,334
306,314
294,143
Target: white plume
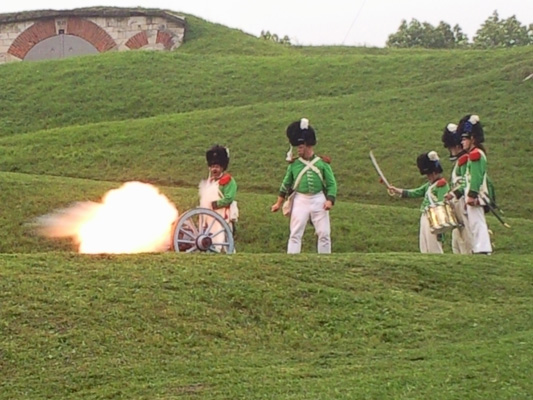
x,y
452,128
474,119
304,123
433,156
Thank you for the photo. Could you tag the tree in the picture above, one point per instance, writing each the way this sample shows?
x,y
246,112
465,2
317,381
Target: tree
x,y
275,38
503,33
416,34
461,40
408,35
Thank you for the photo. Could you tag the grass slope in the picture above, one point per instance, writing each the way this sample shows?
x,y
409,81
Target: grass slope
x,y
355,226
374,320
171,326
151,115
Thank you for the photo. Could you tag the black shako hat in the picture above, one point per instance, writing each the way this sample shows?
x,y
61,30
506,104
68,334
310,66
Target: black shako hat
x,y
450,137
428,163
300,132
218,155
470,127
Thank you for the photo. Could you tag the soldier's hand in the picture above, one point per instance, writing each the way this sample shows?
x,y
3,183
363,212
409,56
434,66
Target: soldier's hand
x,y
472,201
327,205
275,207
394,190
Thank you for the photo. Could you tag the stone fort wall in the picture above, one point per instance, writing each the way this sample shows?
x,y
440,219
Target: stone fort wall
x,y
107,29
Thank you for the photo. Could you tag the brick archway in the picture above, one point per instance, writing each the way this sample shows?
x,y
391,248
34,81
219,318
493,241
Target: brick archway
x,y
30,37
165,39
137,41
91,32
42,30
140,40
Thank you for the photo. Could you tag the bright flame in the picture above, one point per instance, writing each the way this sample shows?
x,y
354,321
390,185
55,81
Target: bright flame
x,y
134,218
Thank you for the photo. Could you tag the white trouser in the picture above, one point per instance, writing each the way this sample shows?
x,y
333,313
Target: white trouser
x,y
217,227
427,241
307,207
480,231
461,236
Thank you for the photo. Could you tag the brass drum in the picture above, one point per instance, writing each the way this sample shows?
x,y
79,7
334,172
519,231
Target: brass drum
x,y
441,218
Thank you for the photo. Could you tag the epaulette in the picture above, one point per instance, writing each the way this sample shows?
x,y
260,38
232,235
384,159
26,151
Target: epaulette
x,y
326,159
441,182
225,179
474,155
462,160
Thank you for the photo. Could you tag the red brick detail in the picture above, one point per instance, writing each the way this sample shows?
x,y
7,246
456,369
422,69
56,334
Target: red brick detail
x,y
165,39
30,37
91,32
137,41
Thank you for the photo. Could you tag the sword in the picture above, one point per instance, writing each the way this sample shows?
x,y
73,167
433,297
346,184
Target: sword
x,y
378,170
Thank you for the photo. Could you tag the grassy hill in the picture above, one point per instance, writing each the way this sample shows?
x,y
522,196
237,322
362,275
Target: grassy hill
x,y
373,326
116,126
373,320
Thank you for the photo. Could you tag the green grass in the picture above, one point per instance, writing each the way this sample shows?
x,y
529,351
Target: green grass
x,y
356,227
374,320
157,128
265,326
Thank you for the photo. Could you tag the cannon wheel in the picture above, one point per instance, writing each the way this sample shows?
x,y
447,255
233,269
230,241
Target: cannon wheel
x,y
193,232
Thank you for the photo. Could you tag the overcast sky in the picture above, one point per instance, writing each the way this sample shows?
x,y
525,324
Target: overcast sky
x,y
314,22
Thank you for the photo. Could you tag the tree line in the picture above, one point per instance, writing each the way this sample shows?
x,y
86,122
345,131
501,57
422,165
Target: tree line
x,y
493,33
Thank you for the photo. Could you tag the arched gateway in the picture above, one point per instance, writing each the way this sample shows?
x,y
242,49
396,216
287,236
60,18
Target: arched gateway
x,y
38,35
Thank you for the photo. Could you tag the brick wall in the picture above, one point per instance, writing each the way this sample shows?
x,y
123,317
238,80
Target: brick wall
x,y
105,33
31,36
91,32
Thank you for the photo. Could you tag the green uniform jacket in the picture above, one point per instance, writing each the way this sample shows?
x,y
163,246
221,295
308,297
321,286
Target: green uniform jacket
x,y
228,188
310,182
476,171
437,192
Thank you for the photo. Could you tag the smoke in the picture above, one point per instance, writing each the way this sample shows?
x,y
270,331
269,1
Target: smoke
x,y
134,218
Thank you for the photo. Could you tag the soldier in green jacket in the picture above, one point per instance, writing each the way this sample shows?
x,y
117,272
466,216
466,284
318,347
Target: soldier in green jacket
x,y
476,187
433,191
310,181
461,237
218,192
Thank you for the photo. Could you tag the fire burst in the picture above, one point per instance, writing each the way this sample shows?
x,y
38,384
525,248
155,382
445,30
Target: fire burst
x,y
134,218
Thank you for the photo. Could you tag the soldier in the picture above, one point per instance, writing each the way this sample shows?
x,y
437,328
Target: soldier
x,y
219,190
312,189
476,187
461,237
433,191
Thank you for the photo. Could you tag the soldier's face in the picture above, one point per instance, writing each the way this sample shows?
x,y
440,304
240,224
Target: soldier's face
x,y
466,143
303,150
432,176
216,171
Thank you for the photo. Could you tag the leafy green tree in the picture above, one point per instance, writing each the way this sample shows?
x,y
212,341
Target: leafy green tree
x,y
416,34
461,40
495,32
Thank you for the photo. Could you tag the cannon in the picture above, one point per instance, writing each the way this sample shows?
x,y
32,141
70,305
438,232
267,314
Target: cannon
x,y
202,230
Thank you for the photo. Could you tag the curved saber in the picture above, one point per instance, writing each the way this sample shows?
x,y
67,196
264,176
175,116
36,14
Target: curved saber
x,y
378,170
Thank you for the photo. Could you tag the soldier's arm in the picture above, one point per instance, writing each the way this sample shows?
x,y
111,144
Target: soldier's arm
x,y
288,181
330,183
228,187
477,172
418,192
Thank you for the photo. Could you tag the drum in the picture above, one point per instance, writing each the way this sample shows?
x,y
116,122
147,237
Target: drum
x,y
441,218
